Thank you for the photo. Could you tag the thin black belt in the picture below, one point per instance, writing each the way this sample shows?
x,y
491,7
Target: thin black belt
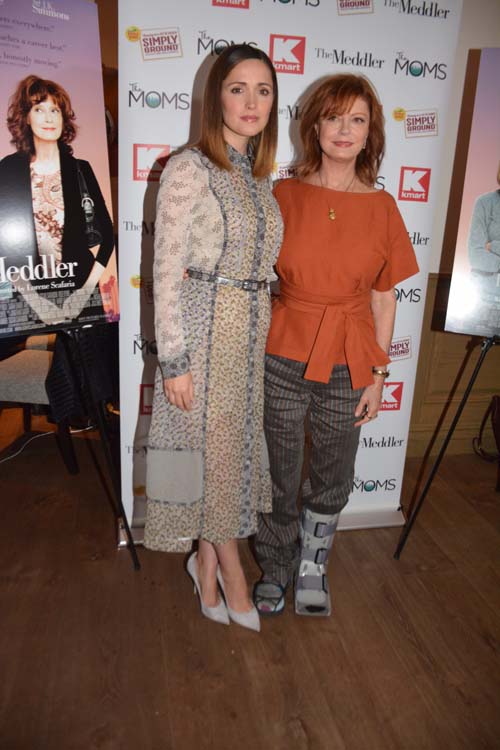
x,y
248,285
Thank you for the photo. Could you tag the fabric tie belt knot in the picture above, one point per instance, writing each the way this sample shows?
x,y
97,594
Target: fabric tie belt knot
x,y
345,333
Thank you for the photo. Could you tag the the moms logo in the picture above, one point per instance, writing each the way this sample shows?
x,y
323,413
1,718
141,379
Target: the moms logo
x,y
375,485
231,3
408,295
391,397
306,3
419,69
149,160
288,53
414,184
144,346
157,99
211,45
411,8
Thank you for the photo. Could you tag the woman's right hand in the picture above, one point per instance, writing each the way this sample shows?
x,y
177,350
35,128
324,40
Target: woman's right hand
x,y
179,391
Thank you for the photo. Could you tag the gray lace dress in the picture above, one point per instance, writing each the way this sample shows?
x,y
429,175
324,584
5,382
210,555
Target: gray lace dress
x,y
207,469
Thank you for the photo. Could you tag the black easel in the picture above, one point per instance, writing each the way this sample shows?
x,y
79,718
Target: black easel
x,y
86,391
485,347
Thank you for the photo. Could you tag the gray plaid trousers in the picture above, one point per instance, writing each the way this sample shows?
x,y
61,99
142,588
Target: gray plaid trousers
x,y
288,397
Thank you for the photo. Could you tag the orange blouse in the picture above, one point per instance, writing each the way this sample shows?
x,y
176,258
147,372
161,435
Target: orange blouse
x,y
327,270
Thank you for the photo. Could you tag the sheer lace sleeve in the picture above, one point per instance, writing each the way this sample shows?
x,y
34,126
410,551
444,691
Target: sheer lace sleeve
x,y
181,187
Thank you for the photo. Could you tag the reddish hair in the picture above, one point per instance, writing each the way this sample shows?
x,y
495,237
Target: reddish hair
x,y
211,142
336,95
30,91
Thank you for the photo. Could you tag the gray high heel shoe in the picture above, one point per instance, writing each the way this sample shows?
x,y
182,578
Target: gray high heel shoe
x,y
218,613
248,619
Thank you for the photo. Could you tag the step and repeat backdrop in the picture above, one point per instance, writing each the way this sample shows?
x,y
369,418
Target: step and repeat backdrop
x,y
406,48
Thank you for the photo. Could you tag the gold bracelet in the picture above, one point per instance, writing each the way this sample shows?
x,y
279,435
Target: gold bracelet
x,y
382,373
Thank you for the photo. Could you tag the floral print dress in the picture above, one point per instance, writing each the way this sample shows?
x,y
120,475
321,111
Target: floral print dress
x,y
207,469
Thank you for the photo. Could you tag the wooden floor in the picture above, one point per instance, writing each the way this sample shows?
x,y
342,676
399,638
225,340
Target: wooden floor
x,y
94,655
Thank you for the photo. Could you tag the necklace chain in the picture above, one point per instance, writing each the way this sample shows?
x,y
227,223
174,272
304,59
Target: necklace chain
x,y
331,211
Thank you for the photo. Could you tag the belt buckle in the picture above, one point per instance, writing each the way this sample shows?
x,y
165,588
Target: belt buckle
x,y
247,285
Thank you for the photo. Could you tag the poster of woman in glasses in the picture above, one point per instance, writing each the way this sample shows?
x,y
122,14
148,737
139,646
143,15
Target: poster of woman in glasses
x,y
57,265
474,302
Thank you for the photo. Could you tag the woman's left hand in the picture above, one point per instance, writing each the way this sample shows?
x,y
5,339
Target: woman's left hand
x,y
369,403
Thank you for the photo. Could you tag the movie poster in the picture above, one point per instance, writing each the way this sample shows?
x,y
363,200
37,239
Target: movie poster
x,y
57,255
474,302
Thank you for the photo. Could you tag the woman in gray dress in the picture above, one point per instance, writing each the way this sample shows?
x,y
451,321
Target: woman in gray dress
x,y
207,475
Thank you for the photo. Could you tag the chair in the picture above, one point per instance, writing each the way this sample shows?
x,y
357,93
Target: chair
x,y
22,384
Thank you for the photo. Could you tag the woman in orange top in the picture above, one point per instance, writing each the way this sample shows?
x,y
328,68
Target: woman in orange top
x,y
345,247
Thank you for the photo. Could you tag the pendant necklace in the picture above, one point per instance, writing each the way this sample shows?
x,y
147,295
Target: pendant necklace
x,y
331,211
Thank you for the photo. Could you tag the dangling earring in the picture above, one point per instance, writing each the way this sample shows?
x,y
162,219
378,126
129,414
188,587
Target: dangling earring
x,y
364,144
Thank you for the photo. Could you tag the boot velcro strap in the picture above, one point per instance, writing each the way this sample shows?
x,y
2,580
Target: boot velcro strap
x,y
318,556
318,528
313,583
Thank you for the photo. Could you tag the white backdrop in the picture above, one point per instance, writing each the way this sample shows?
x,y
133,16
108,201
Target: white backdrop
x,y
406,48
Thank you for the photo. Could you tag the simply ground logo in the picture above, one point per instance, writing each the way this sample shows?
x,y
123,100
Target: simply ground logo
x,y
245,4
414,184
424,8
417,122
288,53
418,68
155,99
156,44
148,161
284,171
391,397
400,348
348,7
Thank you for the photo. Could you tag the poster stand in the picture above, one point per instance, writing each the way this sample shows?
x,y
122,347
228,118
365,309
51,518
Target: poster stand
x,y
87,392
485,347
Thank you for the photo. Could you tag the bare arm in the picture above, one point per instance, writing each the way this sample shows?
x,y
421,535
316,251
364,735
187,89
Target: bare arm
x,y
383,306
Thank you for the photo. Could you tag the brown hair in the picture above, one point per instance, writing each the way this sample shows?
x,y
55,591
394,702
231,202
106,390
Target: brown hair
x,y
212,142
30,91
336,95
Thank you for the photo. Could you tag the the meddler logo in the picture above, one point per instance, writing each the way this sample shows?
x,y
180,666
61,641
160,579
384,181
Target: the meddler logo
x,y
149,160
159,44
391,397
414,184
288,53
347,7
231,3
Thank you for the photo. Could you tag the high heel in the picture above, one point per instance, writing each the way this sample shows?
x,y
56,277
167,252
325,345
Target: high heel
x,y
248,619
218,613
